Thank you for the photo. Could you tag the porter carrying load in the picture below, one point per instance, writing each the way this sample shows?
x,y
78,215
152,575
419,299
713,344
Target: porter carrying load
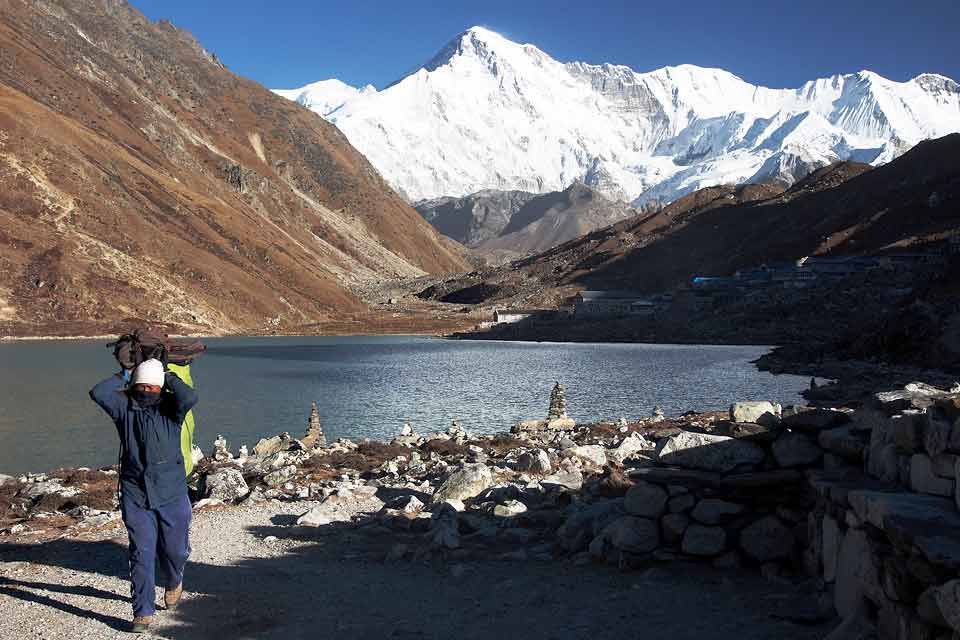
x,y
132,349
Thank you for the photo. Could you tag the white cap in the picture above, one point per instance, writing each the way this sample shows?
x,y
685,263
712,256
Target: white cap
x,y
149,372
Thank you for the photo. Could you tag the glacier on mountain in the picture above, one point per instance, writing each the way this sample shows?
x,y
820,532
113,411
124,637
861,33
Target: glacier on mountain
x,y
489,113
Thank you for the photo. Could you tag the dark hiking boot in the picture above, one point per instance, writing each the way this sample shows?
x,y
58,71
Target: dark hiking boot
x,y
171,597
141,624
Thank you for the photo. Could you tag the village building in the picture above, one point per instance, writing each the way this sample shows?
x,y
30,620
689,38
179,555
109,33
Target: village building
x,y
508,316
612,303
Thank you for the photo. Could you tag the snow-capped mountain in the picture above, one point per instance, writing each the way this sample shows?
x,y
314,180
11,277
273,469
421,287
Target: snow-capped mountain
x,y
489,113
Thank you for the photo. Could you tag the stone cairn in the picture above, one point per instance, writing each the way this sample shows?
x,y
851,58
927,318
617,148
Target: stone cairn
x,y
314,437
221,451
558,403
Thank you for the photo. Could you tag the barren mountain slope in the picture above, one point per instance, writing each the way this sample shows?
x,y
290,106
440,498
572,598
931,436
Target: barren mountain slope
x,y
844,209
140,179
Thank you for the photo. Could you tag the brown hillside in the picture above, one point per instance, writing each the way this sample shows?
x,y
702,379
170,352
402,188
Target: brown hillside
x,y
844,209
140,179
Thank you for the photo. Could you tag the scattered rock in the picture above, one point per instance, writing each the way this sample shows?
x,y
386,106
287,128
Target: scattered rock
x,y
631,445
645,499
593,455
509,509
464,484
760,412
632,534
316,517
708,452
567,477
536,461
225,484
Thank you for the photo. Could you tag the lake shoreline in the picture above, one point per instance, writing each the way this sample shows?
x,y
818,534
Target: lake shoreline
x,y
751,492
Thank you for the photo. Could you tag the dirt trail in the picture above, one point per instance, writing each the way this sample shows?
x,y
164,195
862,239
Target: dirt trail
x,y
239,584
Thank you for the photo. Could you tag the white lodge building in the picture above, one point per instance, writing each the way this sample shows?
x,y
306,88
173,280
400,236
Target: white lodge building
x,y
612,303
501,316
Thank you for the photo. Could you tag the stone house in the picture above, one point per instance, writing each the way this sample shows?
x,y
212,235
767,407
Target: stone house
x,y
611,303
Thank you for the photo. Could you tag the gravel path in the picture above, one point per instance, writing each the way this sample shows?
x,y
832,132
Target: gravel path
x,y
239,584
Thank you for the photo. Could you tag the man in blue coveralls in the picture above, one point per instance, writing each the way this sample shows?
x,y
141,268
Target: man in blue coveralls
x,y
153,489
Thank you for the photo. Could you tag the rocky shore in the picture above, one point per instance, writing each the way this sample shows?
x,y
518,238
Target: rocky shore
x,y
857,508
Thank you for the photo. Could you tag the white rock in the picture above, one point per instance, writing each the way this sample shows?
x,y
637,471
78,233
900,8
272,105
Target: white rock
x,y
534,462
708,452
593,454
631,445
565,477
225,484
316,517
466,483
509,509
757,411
280,476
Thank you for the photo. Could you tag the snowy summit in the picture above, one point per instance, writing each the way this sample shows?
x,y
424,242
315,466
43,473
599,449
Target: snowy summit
x,y
489,113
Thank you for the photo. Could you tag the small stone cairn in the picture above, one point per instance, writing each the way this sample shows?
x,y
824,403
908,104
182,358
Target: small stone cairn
x,y
557,418
314,438
221,451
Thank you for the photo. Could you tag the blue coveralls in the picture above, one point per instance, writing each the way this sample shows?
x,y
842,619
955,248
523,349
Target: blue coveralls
x,y
153,486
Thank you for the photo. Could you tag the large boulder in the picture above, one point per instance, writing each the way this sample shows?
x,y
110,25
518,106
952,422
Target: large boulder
x,y
466,483
645,499
536,461
225,484
566,477
592,454
583,523
699,540
269,446
632,534
767,539
758,411
631,445
796,450
708,452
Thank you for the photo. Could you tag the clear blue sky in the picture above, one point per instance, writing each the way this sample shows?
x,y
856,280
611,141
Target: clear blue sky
x,y
288,43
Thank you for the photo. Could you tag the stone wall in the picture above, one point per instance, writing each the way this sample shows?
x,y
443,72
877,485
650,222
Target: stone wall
x,y
866,502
